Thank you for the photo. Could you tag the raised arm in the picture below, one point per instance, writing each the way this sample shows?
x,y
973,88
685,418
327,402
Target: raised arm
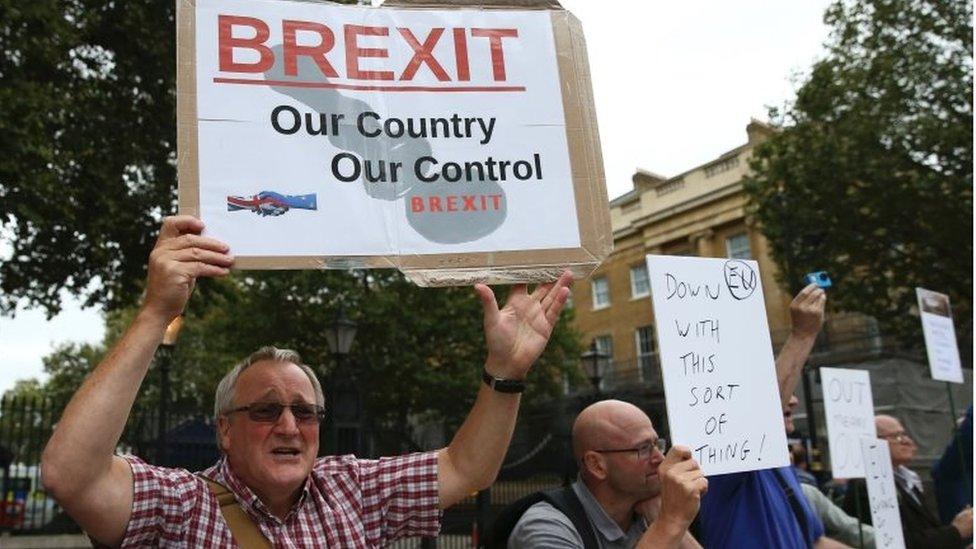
x,y
807,316
516,335
79,467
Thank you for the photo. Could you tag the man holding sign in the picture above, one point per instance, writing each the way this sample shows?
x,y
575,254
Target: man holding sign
x,y
766,508
268,412
920,525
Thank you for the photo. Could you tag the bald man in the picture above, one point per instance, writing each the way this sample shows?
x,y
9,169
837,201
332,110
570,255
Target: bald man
x,y
632,494
920,525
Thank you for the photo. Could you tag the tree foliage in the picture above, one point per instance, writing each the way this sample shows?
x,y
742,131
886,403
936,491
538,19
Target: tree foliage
x,y
418,353
870,174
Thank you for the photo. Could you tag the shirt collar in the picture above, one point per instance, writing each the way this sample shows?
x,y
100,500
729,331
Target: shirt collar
x,y
909,479
249,501
607,527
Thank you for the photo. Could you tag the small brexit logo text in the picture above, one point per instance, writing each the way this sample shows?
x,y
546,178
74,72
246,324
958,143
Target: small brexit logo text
x,y
271,203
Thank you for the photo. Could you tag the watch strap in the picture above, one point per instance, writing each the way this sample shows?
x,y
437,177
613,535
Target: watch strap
x,y
503,385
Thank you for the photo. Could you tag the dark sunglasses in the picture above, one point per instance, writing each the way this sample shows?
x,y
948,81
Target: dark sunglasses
x,y
269,412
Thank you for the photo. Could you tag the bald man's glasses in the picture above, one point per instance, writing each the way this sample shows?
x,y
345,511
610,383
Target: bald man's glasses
x,y
899,438
643,450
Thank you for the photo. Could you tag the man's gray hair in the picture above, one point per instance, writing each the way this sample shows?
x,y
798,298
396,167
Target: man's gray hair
x,y
224,399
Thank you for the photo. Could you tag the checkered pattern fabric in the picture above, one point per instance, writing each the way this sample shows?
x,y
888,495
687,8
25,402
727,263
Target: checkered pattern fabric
x,y
346,502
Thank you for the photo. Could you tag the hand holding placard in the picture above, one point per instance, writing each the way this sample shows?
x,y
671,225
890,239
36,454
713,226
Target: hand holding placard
x,y
881,494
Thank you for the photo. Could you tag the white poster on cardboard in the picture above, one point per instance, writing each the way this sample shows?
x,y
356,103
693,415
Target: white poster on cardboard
x,y
881,494
849,408
329,130
717,362
940,336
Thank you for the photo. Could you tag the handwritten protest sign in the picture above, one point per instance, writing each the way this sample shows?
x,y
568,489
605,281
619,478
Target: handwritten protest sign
x,y
849,408
882,494
459,142
940,336
717,361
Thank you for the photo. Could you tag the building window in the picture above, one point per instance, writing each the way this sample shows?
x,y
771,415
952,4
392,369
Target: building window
x,y
601,292
604,345
645,351
640,284
737,246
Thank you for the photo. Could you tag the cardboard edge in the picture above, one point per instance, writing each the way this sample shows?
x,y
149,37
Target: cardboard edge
x,y
187,145
500,267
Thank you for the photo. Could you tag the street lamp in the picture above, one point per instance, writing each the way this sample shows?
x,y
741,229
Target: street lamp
x,y
592,360
344,401
165,361
340,335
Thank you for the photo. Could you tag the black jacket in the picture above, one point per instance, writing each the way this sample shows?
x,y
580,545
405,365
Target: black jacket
x,y
921,526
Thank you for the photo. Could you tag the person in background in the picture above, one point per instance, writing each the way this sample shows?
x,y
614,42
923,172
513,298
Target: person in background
x,y
922,529
953,472
766,508
798,455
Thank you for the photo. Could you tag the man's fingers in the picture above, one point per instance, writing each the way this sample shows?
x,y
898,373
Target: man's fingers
x,y
678,453
203,256
196,241
564,281
200,269
176,225
488,303
555,307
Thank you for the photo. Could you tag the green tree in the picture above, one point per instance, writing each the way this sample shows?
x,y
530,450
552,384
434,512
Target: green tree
x,y
418,352
88,136
870,174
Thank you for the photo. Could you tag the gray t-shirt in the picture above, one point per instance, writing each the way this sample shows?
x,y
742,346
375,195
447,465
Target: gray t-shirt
x,y
542,525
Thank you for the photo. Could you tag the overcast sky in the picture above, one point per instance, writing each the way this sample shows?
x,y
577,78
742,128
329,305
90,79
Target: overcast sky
x,y
675,85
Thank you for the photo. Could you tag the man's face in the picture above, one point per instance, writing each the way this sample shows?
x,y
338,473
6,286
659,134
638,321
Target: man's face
x,y
788,414
634,473
900,444
272,458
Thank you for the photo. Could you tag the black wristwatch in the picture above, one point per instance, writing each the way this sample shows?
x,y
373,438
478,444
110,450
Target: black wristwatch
x,y
503,385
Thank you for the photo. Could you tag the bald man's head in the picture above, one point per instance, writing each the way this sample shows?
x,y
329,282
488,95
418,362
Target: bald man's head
x,y
900,443
606,438
606,424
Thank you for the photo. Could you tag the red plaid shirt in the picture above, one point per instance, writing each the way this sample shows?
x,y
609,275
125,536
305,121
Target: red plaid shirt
x,y
346,502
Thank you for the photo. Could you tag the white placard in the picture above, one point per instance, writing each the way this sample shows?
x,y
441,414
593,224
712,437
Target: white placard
x,y
849,408
385,131
717,362
882,494
940,336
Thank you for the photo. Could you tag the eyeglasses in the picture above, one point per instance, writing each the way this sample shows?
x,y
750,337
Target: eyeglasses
x,y
642,450
900,438
269,412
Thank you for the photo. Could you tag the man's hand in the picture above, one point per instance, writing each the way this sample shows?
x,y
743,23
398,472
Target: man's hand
x,y
964,523
179,257
517,334
807,311
682,485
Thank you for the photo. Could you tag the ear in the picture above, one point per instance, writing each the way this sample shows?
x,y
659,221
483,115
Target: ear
x,y
595,465
223,432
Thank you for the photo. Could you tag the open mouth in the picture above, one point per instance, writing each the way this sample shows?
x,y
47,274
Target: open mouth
x,y
283,451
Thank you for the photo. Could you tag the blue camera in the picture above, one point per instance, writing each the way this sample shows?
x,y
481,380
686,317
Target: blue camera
x,y
820,278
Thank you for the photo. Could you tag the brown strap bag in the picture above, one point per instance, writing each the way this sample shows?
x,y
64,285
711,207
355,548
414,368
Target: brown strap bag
x,y
242,528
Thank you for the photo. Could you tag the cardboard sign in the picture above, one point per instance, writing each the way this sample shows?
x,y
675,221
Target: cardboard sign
x,y
881,494
717,362
453,144
940,336
849,408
